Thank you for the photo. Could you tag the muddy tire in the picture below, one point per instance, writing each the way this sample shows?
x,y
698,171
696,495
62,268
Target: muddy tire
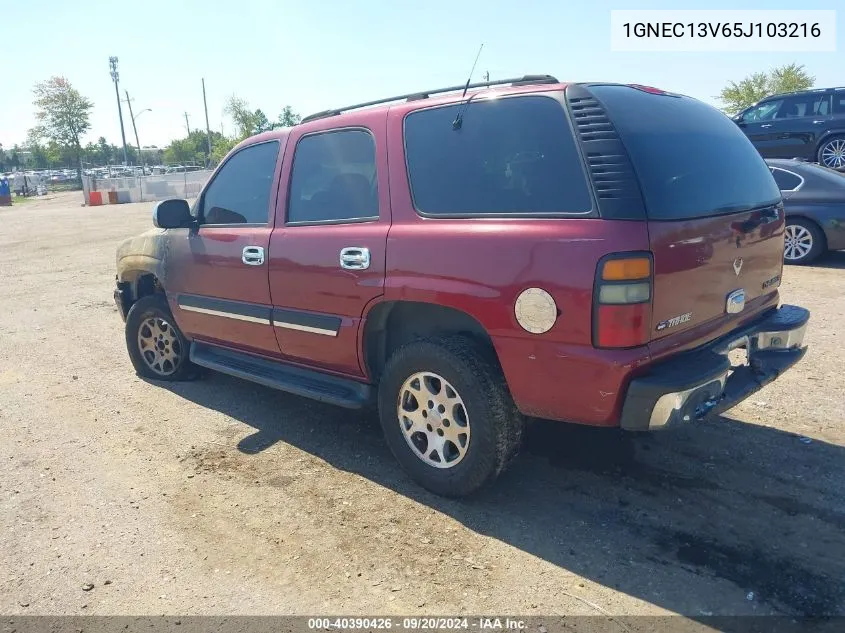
x,y
157,348
447,415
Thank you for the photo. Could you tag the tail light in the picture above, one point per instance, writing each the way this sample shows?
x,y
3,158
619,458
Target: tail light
x,y
622,297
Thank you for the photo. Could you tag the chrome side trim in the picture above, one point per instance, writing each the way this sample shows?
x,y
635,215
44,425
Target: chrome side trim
x,y
227,315
305,328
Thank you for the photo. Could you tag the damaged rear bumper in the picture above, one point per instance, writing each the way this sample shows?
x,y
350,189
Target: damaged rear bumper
x,y
703,382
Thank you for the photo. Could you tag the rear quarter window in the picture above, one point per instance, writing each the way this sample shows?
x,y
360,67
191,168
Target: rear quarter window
x,y
509,156
691,160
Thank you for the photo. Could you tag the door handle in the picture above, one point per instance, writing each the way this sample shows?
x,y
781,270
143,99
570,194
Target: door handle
x,y
253,255
817,122
355,258
766,125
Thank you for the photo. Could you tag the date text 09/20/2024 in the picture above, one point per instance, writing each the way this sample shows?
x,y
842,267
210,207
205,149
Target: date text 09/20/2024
x,y
417,623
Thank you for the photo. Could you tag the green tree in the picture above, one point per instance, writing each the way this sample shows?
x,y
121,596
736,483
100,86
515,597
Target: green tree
x,y
788,78
262,123
192,149
244,119
15,157
288,118
63,115
222,147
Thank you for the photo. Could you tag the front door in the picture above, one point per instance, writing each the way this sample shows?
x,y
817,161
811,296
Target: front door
x,y
328,261
758,125
218,272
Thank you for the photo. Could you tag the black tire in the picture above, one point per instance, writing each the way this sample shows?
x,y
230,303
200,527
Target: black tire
x,y
155,307
828,143
818,246
496,424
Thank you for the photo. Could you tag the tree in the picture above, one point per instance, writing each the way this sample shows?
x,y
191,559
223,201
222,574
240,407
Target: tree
x,y
63,115
192,149
244,119
288,118
788,78
262,123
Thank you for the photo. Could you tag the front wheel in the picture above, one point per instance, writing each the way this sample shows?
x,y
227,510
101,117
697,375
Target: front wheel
x,y
447,415
157,348
803,241
832,153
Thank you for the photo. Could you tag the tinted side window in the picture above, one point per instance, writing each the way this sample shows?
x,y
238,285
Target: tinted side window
x,y
509,156
240,192
786,180
839,103
804,105
334,177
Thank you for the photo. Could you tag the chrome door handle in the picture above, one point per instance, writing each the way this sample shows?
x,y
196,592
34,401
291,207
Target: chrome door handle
x,y
355,258
817,122
253,255
766,125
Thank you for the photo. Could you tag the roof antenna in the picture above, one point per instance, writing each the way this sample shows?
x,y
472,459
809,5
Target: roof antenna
x,y
456,124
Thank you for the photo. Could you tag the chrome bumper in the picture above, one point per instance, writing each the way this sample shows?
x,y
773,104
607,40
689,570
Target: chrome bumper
x,y
703,382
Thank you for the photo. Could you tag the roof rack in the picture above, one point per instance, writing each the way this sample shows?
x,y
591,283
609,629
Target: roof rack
x,y
425,94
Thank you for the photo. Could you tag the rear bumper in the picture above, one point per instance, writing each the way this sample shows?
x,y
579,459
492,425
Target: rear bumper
x,y
702,382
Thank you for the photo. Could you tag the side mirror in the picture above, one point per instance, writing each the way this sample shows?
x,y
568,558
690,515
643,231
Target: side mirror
x,y
172,214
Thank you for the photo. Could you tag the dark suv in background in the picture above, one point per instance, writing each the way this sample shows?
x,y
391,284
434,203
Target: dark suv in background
x,y
808,125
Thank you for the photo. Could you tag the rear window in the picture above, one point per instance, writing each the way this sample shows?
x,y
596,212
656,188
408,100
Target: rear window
x,y
691,160
514,155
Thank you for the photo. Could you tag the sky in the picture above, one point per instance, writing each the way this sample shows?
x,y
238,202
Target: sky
x,y
319,54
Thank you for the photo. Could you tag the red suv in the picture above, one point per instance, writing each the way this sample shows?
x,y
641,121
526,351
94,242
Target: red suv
x,y
588,253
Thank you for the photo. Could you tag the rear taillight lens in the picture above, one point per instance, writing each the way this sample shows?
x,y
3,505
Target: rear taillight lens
x,y
622,300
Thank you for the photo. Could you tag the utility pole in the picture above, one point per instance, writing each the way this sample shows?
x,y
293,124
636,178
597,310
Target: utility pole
x,y
187,125
207,126
115,76
134,129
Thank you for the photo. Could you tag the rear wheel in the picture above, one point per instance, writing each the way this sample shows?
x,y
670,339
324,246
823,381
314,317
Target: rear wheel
x,y
832,153
157,348
803,241
447,415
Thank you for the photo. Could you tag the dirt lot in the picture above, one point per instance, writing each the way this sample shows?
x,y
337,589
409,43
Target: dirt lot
x,y
222,497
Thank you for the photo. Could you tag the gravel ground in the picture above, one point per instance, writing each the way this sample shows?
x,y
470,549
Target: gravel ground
x,y
119,495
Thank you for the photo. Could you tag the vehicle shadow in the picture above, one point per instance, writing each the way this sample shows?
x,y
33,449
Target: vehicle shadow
x,y
661,517
831,259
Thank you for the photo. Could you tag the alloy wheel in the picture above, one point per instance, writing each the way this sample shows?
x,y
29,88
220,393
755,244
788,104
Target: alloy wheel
x,y
434,420
798,242
833,154
160,346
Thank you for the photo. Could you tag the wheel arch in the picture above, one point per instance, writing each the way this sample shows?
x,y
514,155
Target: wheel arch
x,y
390,324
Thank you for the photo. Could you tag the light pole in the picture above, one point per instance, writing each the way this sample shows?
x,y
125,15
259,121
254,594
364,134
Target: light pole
x,y
135,116
115,76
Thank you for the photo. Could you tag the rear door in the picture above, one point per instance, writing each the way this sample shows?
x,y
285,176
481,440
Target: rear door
x,y
327,254
715,217
798,125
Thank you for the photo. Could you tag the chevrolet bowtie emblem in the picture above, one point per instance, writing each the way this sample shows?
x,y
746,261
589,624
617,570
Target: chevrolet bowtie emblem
x,y
737,265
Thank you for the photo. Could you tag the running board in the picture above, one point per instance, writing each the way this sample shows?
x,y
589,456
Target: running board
x,y
302,382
